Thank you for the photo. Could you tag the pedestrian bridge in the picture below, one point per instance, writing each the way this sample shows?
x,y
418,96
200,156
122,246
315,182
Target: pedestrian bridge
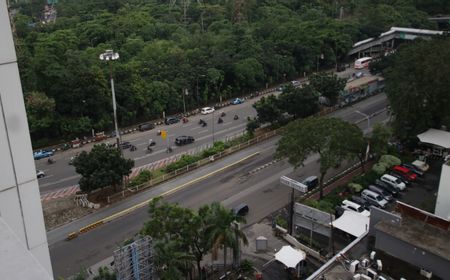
x,y
386,41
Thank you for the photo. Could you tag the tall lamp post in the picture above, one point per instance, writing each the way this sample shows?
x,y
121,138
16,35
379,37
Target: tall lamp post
x,y
109,55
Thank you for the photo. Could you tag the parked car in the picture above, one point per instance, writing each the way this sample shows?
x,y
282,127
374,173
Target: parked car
x,y
207,110
385,194
361,201
311,182
413,169
421,165
355,207
183,140
40,173
241,209
393,181
408,174
146,126
125,145
171,120
296,83
387,187
42,154
237,101
374,198
401,177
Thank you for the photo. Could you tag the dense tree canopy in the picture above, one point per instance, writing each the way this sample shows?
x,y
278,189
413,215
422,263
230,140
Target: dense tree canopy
x,y
417,86
213,52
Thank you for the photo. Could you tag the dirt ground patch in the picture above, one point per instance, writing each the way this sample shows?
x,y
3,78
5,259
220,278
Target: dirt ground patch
x,y
61,211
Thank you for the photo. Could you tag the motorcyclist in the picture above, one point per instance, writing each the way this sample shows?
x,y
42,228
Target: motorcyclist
x,y
236,117
223,114
50,160
220,120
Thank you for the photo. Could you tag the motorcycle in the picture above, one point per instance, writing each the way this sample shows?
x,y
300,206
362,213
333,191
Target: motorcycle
x,y
236,117
220,120
169,150
185,120
149,149
223,114
203,124
151,142
159,132
133,148
201,121
50,161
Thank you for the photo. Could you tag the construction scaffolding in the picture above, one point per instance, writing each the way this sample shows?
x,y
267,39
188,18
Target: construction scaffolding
x,y
135,261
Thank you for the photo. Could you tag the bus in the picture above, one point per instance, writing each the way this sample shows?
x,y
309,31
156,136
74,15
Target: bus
x,y
362,62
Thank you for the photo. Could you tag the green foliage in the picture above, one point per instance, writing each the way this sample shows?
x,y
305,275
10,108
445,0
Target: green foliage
x,y
379,140
281,222
105,274
252,125
299,102
218,147
419,100
182,162
379,168
246,266
389,160
143,177
103,166
356,188
366,179
268,109
323,205
328,85
329,137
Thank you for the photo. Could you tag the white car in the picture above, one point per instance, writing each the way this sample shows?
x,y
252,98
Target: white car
x,y
207,110
40,173
355,207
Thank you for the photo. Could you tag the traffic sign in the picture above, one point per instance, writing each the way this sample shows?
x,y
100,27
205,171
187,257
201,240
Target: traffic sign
x,y
293,184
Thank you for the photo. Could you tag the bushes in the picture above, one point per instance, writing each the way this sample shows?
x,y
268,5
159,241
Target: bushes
x,y
389,160
281,222
355,188
143,177
218,147
379,168
323,205
182,162
366,179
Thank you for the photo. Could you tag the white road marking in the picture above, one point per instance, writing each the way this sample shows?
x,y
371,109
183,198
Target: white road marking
x,y
202,131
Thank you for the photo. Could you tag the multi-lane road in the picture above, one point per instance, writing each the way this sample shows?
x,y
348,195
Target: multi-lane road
x,y
244,181
61,174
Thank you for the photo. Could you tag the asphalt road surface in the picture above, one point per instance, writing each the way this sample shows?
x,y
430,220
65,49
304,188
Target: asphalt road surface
x,y
239,183
61,174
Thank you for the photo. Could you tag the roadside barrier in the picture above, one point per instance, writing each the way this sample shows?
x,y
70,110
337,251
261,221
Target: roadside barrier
x,y
90,227
71,236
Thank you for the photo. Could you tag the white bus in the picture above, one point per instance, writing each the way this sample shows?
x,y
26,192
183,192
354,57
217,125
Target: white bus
x,y
362,62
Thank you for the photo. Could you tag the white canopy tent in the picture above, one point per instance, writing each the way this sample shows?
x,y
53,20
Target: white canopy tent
x,y
352,223
289,256
435,137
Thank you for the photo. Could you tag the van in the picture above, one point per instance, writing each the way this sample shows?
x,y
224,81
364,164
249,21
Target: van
x,y
311,182
146,126
355,207
387,187
381,192
393,181
374,198
241,209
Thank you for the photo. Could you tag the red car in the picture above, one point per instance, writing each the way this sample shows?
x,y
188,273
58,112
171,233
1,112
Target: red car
x,y
408,174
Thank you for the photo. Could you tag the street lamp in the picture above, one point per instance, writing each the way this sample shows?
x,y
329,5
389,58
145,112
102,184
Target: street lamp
x,y
367,117
109,55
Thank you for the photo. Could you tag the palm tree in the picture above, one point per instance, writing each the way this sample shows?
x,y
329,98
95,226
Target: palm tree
x,y
223,230
171,260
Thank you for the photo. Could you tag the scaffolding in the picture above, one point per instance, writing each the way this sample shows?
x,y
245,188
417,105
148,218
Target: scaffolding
x,y
135,261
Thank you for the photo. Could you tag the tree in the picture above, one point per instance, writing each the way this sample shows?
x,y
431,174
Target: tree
x,y
103,166
268,109
170,259
223,230
41,114
327,137
328,85
379,140
299,102
417,86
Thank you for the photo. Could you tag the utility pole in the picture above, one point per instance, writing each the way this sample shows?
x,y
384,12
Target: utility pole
x,y
291,212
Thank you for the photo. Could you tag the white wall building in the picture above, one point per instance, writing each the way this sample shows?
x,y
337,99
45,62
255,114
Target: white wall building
x,y
443,198
24,250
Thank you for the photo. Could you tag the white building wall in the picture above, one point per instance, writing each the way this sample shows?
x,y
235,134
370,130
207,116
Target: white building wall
x,y
20,206
443,198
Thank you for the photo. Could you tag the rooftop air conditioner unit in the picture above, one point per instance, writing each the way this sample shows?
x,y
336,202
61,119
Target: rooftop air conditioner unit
x,y
354,265
379,265
371,273
372,255
365,263
356,277
426,273
365,277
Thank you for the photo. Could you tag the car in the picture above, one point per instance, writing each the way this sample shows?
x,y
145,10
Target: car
x,y
171,120
408,174
355,207
72,159
374,198
400,177
125,145
183,140
146,126
385,194
361,201
311,182
393,181
296,83
386,187
421,165
42,154
40,174
237,101
413,169
241,210
207,110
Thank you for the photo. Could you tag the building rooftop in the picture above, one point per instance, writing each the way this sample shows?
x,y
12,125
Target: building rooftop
x,y
424,236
